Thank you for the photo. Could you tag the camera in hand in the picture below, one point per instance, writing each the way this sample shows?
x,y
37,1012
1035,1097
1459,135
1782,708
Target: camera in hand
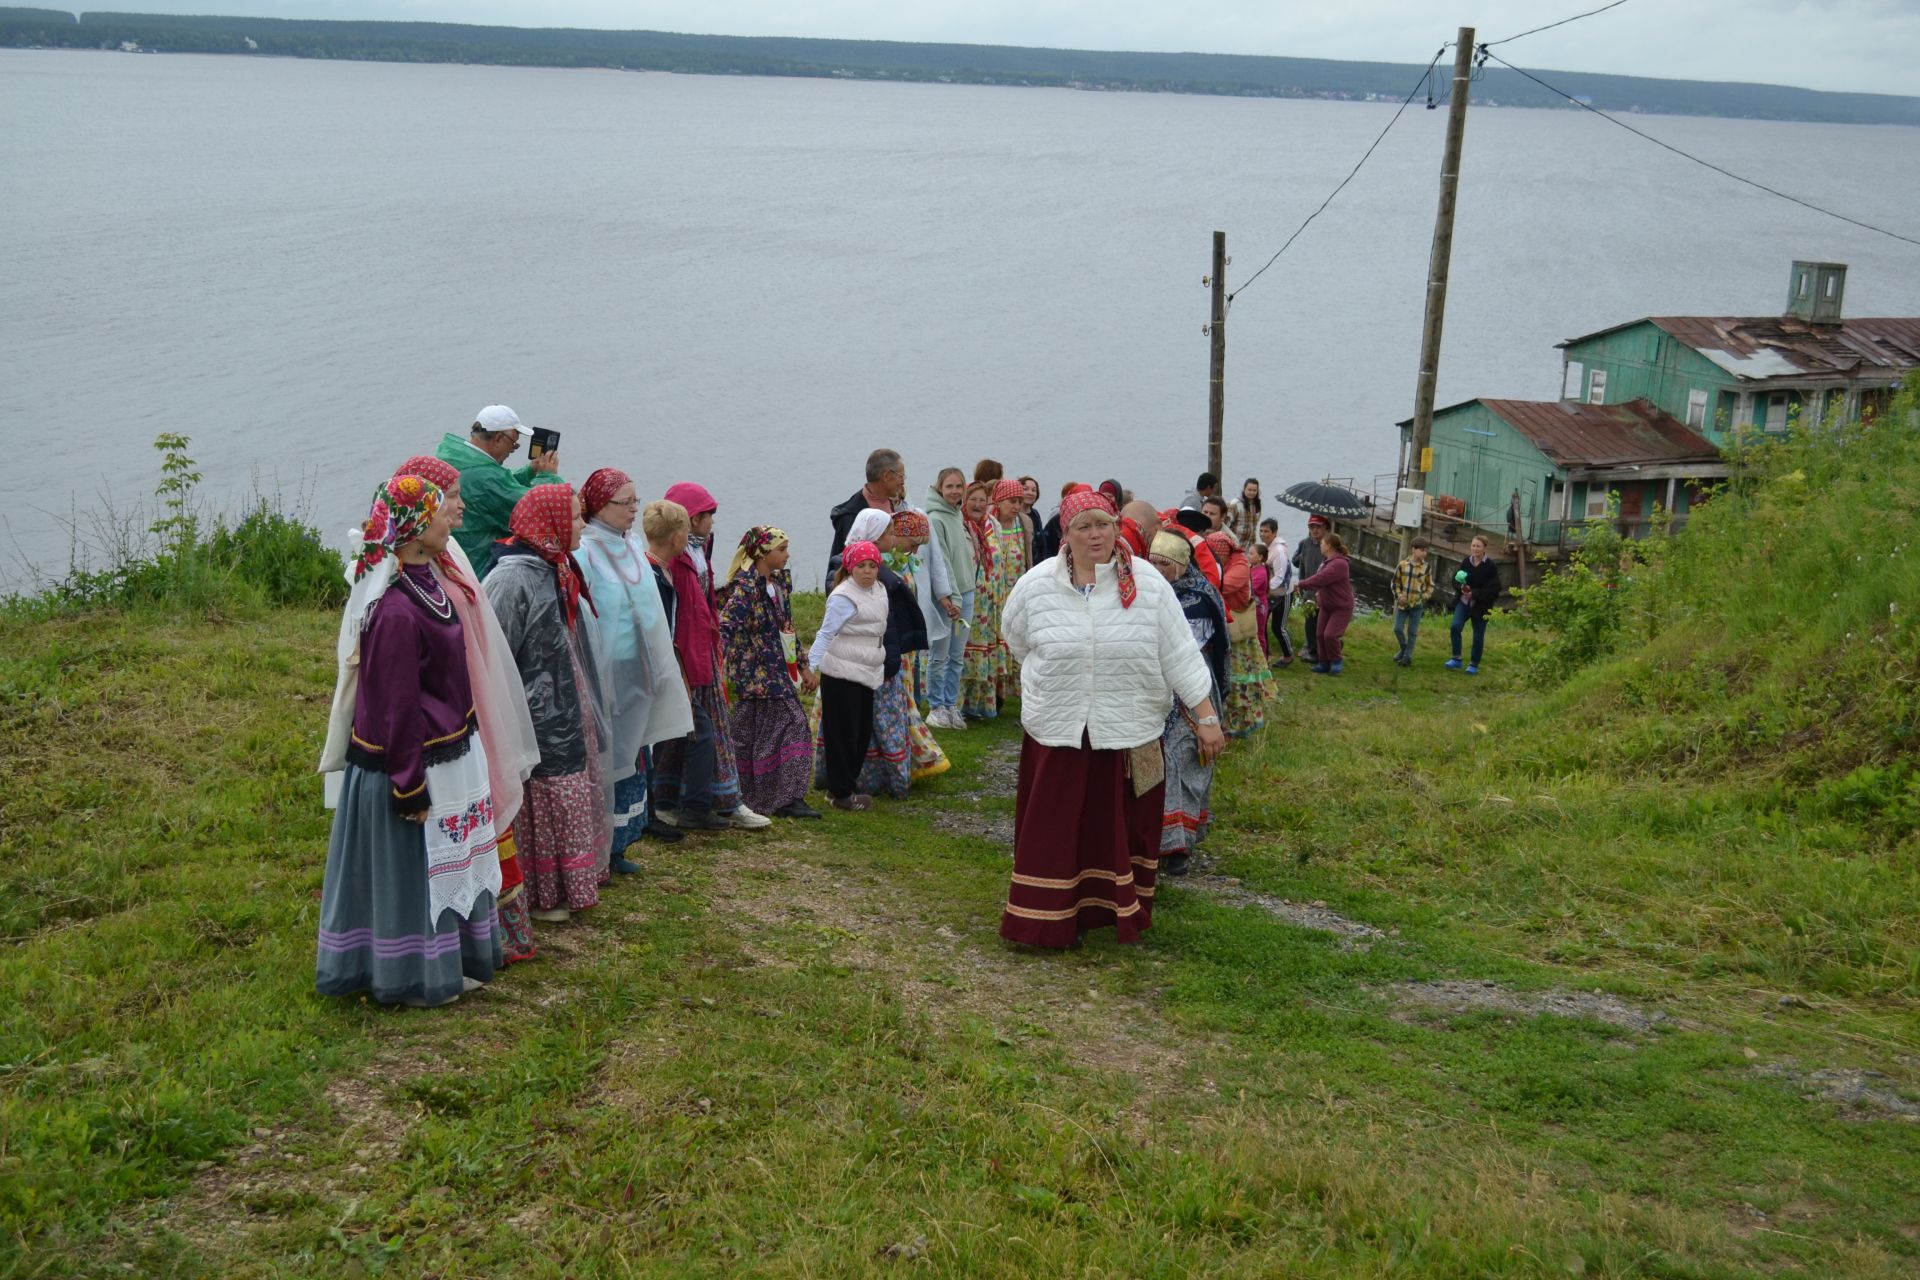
x,y
543,442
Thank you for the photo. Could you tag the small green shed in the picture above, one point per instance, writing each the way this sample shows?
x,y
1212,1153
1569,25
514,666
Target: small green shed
x,y
1537,468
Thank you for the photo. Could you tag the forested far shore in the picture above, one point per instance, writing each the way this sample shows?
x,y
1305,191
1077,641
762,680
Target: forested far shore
x,y
1201,73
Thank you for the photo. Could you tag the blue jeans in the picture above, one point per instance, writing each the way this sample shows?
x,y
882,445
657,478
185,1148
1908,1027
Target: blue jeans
x,y
948,659
1406,628
696,765
1461,613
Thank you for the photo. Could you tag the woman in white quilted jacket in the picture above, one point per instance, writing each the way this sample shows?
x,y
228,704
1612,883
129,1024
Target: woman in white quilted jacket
x,y
1102,653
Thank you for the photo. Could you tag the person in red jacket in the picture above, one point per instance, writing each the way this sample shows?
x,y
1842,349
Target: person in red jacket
x,y
696,784
1334,582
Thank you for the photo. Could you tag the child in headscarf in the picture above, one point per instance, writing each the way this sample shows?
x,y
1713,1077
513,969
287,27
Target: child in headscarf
x,y
537,592
764,665
849,651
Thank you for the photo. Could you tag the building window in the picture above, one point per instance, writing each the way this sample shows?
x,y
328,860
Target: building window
x,y
1777,411
1596,500
1575,379
1697,410
1597,388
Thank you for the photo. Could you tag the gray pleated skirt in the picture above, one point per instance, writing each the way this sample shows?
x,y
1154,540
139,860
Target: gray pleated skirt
x,y
374,932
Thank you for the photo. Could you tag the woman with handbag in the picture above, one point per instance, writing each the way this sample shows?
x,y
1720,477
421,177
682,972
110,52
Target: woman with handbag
x,y
1188,813
1103,651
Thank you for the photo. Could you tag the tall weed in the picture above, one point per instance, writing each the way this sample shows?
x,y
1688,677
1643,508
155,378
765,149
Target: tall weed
x,y
182,562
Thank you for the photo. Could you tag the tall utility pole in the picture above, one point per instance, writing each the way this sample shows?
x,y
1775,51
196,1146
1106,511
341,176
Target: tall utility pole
x,y
1437,269
1217,368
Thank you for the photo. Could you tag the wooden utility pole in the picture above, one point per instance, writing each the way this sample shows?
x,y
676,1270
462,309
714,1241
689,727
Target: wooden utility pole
x,y
1217,367
1437,269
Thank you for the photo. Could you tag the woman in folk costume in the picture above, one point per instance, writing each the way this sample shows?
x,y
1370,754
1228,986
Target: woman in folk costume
x,y
980,683
918,564
1188,810
633,646
895,758
406,910
535,588
1103,653
696,782
1250,680
499,703
1009,562
766,669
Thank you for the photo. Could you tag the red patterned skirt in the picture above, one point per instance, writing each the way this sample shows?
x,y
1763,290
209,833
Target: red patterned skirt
x,y
1085,848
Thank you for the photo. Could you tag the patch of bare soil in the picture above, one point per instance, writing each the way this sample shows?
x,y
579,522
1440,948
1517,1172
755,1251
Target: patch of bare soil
x,y
982,824
1864,1095
998,774
1475,996
1356,935
943,974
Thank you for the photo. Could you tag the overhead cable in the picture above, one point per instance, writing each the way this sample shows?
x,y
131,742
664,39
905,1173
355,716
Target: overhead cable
x,y
1551,25
1687,155
1424,77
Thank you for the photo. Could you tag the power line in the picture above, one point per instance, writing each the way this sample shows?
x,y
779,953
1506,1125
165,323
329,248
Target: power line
x,y
1687,155
1551,25
1424,76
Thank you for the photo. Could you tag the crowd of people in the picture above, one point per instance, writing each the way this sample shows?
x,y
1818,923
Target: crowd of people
x,y
533,677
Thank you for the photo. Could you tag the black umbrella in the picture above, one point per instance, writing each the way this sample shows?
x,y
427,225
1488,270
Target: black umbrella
x,y
1317,497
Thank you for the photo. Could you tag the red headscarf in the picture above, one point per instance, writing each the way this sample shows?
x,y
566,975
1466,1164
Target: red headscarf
x,y
1008,489
446,478
599,489
543,521
1078,503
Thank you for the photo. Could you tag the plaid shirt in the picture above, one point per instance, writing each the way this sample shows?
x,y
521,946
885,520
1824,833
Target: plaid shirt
x,y
1412,583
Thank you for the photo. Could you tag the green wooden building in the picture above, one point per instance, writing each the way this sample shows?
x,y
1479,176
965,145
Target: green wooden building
x,y
1537,469
1722,376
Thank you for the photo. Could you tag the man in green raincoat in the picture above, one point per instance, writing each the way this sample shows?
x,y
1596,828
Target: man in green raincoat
x,y
487,487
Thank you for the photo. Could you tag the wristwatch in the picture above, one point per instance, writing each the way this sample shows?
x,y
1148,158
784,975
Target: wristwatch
x,y
1209,721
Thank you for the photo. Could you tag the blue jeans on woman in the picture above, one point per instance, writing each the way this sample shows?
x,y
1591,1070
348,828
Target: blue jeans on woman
x,y
947,660
1461,613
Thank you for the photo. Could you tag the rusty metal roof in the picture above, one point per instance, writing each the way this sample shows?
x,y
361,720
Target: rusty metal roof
x,y
1760,348
1603,435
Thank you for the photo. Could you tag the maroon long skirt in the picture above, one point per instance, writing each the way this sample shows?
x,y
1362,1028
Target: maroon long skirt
x,y
1085,848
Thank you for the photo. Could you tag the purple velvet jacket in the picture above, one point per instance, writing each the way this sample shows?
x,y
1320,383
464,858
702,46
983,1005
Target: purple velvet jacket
x,y
415,706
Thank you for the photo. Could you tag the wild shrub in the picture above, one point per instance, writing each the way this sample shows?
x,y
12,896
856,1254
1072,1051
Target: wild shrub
x,y
180,561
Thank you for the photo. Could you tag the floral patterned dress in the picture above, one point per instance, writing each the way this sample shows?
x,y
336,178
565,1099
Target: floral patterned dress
x,y
980,678
771,741
1010,561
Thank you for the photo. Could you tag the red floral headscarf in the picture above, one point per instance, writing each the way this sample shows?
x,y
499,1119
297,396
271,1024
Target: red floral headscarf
x,y
402,509
1078,503
543,521
599,489
443,474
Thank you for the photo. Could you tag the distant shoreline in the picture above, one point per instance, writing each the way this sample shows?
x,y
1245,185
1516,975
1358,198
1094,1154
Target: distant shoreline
x,y
1204,74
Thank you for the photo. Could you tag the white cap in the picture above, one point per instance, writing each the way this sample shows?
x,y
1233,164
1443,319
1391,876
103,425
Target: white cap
x,y
497,417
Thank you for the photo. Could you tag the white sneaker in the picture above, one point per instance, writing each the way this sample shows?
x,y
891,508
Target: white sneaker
x,y
747,820
667,817
952,718
559,915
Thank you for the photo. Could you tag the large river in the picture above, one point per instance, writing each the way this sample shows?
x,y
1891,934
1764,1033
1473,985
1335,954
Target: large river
x,y
314,269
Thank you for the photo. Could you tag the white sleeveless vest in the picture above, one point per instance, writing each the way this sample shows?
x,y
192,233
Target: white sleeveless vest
x,y
858,651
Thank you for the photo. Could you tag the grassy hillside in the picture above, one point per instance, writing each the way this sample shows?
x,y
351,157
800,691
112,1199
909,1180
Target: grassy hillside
x,y
1611,978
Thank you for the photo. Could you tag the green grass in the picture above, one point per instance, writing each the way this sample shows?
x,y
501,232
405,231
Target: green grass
x,y
806,1052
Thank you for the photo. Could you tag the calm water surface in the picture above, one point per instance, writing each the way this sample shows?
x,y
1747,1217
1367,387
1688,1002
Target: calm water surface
x,y
314,269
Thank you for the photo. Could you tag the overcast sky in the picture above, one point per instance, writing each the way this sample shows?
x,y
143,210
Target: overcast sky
x,y
1866,45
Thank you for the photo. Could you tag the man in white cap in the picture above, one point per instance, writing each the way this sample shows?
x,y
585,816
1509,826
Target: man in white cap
x,y
487,488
